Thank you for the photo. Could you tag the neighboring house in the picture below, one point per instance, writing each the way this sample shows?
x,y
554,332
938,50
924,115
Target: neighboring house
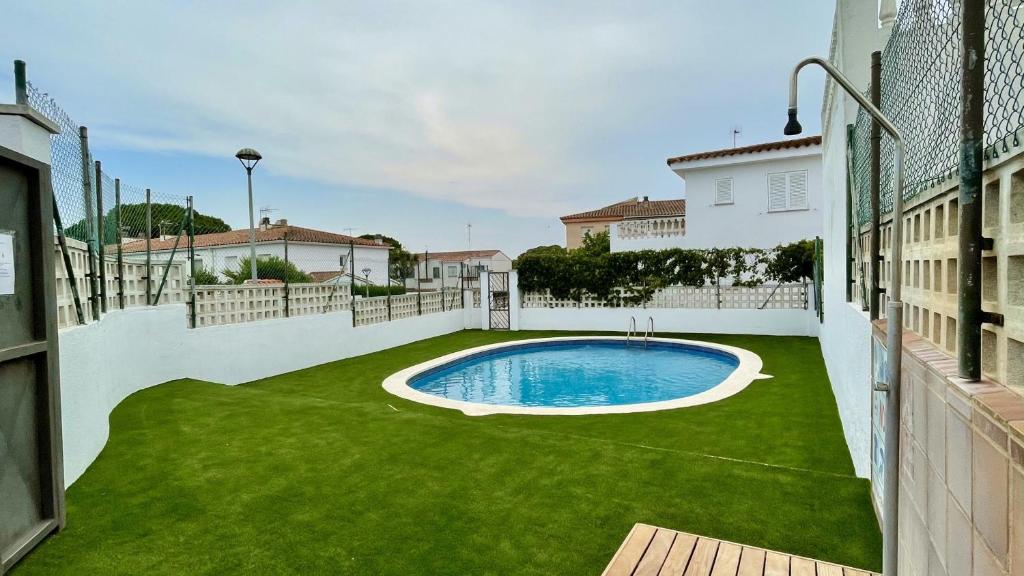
x,y
633,220
756,196
315,252
437,270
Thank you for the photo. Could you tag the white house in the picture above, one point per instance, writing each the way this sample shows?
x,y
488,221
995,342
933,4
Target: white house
x,y
756,196
318,253
437,270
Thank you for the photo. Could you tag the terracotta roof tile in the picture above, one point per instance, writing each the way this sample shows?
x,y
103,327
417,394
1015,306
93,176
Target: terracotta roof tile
x,y
272,234
458,256
633,208
764,147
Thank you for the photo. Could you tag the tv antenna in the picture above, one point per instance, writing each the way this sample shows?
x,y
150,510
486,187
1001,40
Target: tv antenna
x,y
736,130
265,212
469,235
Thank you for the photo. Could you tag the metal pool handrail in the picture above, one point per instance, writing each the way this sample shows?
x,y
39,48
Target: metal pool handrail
x,y
649,330
631,329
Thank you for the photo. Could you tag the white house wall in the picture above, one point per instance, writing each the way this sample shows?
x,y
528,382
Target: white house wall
x,y
153,345
306,257
747,222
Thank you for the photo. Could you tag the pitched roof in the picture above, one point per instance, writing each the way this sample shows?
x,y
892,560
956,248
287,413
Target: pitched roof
x,y
458,256
271,234
753,149
632,208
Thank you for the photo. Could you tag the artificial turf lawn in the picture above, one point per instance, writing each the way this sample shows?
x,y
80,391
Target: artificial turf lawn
x,y
313,472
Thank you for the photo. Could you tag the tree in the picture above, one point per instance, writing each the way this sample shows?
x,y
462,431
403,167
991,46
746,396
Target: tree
x,y
167,219
596,244
204,277
268,268
549,250
403,263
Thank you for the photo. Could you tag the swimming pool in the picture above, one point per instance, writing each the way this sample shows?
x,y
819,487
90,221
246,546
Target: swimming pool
x,y
579,375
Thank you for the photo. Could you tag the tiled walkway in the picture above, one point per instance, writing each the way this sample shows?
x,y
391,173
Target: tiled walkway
x,y
661,552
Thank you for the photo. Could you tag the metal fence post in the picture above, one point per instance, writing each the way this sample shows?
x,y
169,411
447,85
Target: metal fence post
x,y
102,234
20,83
90,225
192,261
972,135
120,243
63,241
387,272
419,285
287,311
149,234
875,241
352,277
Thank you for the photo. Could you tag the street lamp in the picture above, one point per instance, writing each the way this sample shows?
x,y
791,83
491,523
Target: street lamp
x,y
366,273
249,159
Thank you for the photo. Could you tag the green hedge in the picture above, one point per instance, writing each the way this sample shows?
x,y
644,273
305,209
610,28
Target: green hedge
x,y
631,278
360,290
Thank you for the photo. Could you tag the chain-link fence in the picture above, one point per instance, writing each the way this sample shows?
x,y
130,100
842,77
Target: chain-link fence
x,y
124,245
920,87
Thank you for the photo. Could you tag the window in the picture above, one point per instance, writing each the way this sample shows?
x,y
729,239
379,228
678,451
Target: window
x,y
436,272
453,271
263,257
584,231
230,262
723,191
787,191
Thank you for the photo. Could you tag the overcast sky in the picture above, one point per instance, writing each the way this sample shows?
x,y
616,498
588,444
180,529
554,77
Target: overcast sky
x,y
413,119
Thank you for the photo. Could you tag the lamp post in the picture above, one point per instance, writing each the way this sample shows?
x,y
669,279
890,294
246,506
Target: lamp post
x,y
249,159
366,273
893,313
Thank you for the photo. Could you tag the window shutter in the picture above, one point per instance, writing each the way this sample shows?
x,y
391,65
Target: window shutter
x,y
798,190
723,191
777,192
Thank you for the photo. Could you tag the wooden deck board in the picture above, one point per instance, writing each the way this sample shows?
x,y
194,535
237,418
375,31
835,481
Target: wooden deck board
x,y
651,551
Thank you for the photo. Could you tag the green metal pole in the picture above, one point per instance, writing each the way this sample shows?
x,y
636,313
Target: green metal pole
x,y
287,310
72,283
352,277
90,224
120,243
20,83
102,234
972,136
192,260
149,252
875,240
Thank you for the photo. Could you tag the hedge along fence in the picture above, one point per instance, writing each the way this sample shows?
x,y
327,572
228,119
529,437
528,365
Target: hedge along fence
x,y
632,278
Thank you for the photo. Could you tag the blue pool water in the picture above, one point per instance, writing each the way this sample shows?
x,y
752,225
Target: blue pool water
x,y
579,373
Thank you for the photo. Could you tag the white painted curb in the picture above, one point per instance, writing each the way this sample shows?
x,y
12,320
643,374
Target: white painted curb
x,y
749,369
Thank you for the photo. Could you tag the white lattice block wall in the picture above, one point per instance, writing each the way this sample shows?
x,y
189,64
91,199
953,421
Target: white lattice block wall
x,y
786,296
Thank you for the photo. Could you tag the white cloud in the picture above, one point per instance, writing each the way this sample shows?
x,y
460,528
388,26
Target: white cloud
x,y
513,105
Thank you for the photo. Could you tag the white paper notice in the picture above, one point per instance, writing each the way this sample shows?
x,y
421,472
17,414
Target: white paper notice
x,y
6,264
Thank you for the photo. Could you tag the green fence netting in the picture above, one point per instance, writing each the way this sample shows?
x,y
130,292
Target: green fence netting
x,y
920,86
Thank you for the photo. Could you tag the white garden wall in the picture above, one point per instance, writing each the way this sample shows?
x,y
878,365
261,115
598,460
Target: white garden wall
x,y
710,321
104,362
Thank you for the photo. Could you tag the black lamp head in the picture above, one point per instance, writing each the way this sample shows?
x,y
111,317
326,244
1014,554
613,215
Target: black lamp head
x,y
793,127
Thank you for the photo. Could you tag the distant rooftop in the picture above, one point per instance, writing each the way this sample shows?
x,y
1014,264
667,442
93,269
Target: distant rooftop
x,y
752,149
272,233
458,256
632,208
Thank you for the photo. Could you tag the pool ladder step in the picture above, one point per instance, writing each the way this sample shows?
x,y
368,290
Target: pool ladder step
x,y
648,331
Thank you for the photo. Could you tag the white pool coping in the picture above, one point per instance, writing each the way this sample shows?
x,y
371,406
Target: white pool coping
x,y
748,370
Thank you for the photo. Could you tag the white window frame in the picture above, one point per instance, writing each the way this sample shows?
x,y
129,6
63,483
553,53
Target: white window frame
x,y
732,191
789,174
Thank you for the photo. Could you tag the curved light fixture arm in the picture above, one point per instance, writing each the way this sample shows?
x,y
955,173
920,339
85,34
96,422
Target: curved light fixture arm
x,y
894,309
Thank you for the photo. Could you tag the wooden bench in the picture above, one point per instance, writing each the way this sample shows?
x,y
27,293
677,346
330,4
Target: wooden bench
x,y
652,551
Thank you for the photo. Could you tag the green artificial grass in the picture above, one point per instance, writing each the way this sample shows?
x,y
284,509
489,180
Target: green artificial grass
x,y
315,472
